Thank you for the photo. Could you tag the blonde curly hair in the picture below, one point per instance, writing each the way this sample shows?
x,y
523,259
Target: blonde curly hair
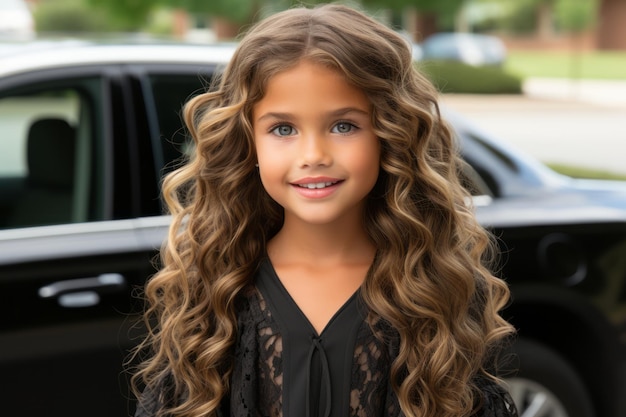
x,y
430,278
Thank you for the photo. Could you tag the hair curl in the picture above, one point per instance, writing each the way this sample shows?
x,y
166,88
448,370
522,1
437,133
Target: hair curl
x,y
430,279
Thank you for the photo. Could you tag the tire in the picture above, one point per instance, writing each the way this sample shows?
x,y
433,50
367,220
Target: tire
x,y
543,384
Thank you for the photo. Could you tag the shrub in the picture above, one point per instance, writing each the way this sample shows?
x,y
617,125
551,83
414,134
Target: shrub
x,y
65,16
71,16
456,77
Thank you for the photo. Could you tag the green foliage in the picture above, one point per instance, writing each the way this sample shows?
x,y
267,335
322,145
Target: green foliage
x,y
456,77
444,12
449,7
126,14
69,16
160,23
608,65
238,11
575,15
581,172
521,16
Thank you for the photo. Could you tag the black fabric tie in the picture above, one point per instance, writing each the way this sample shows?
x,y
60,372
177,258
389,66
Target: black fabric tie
x,y
316,346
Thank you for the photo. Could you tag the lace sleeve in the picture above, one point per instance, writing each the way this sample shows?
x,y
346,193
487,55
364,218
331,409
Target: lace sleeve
x,y
150,402
496,400
153,400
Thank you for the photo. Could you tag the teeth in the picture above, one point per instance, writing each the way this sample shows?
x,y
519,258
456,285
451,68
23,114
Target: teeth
x,y
316,185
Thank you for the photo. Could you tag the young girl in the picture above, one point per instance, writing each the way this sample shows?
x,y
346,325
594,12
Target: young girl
x,y
323,259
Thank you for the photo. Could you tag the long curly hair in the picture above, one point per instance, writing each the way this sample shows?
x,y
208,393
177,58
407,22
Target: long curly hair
x,y
430,279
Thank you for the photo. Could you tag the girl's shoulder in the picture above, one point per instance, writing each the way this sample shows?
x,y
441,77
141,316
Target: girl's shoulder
x,y
496,400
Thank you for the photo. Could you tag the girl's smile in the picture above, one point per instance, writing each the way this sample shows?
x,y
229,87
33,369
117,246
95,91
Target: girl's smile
x,y
317,187
317,151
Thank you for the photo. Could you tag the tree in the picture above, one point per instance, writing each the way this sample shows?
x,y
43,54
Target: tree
x,y
79,16
612,30
238,11
533,15
428,16
438,6
571,15
131,14
243,12
575,16
544,17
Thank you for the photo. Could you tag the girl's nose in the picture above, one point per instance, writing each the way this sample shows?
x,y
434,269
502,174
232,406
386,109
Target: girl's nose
x,y
315,151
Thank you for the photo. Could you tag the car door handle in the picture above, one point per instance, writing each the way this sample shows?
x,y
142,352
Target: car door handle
x,y
82,292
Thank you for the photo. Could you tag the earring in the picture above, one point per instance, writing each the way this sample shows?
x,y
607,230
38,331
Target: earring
x,y
256,165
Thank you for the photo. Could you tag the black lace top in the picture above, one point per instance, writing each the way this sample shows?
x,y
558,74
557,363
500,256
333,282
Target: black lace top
x,y
282,367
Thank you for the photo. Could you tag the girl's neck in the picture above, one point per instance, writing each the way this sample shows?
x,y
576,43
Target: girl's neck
x,y
321,267
322,244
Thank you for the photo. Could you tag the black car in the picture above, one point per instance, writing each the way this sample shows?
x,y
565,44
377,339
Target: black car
x,y
88,131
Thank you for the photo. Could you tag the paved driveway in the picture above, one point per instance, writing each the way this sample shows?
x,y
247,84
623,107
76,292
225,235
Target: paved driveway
x,y
582,124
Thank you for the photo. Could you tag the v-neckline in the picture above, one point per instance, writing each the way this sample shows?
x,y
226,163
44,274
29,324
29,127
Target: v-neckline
x,y
294,305
316,367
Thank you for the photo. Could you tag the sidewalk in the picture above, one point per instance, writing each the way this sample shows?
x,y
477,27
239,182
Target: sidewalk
x,y
575,123
600,92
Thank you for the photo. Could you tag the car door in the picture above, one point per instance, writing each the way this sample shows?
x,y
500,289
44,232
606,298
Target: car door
x,y
73,245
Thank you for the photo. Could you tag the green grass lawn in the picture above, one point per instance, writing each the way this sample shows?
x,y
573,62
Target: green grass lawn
x,y
565,64
577,172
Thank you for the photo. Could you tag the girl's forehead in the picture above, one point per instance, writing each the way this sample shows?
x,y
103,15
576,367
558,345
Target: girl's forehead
x,y
321,68
307,70
310,91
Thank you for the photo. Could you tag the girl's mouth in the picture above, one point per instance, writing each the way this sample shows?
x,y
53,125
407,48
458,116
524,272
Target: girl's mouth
x,y
317,185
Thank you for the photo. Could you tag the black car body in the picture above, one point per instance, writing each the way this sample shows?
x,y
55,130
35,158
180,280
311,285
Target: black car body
x,y
82,224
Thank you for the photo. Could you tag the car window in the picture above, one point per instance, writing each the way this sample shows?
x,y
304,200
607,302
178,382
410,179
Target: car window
x,y
473,182
491,165
170,93
46,149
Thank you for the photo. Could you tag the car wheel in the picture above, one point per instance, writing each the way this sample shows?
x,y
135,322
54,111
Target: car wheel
x,y
545,385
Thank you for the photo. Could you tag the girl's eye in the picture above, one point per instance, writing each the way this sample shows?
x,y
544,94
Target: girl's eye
x,y
343,128
283,130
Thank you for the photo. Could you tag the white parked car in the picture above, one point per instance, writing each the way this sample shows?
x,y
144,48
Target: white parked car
x,y
469,48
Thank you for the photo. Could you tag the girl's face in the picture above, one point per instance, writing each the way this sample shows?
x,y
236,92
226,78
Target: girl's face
x,y
317,152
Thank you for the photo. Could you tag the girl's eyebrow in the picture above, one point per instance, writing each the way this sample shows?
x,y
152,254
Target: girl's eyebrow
x,y
275,115
346,110
335,113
